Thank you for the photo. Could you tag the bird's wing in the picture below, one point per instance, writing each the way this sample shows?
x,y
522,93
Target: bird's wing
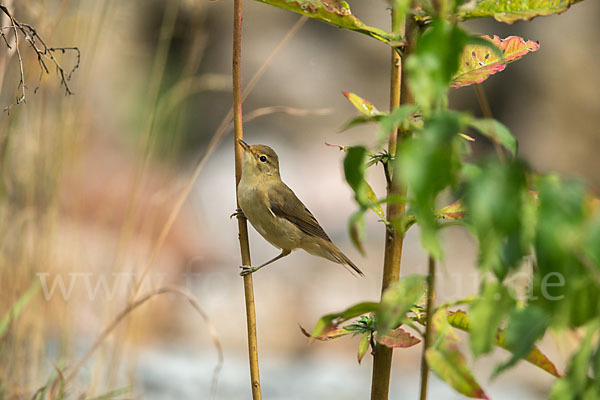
x,y
294,211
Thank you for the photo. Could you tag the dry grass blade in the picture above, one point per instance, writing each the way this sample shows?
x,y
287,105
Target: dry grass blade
x,y
212,145
296,112
165,289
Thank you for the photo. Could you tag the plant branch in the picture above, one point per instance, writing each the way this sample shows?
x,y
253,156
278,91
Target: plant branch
x,y
427,340
382,362
487,113
242,222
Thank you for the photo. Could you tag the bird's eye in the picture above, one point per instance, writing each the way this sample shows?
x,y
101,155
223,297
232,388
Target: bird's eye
x,y
262,158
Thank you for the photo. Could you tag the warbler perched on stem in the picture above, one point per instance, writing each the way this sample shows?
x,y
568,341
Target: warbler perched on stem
x,y
277,214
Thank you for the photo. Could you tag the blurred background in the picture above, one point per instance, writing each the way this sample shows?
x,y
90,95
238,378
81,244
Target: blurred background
x,y
88,182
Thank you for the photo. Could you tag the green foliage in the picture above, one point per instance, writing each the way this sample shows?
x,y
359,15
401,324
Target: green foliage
x,y
429,163
510,11
397,301
333,12
513,213
496,131
331,321
567,285
460,320
434,63
497,200
14,312
445,359
524,328
487,313
577,384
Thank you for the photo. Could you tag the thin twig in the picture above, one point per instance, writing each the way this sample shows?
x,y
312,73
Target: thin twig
x,y
43,52
487,113
242,222
296,112
427,339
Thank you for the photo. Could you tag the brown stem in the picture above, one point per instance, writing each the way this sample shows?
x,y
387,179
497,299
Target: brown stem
x,y
382,361
487,113
427,341
242,223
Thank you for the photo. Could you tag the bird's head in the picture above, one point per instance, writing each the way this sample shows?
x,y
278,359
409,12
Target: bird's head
x,y
259,160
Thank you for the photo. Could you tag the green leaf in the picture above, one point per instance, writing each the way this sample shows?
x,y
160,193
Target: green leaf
x,y
479,62
400,116
445,359
510,11
496,131
18,307
487,313
434,63
497,200
577,383
330,321
356,229
397,338
524,328
375,203
354,171
429,163
460,320
333,12
363,346
397,300
563,284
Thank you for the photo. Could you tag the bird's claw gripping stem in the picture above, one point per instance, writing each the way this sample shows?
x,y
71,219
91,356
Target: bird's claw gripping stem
x,y
247,270
238,213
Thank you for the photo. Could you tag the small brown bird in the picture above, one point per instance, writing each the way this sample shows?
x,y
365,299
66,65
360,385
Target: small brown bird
x,y
277,214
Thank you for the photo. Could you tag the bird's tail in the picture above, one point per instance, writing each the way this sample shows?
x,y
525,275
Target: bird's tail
x,y
340,258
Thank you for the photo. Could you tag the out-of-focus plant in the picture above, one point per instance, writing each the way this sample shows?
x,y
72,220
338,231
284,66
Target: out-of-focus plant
x,y
517,216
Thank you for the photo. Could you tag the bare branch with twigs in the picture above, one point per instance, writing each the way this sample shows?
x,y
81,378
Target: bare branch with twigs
x,y
45,55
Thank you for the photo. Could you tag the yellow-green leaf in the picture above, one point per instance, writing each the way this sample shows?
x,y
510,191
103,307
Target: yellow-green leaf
x,y
333,12
510,11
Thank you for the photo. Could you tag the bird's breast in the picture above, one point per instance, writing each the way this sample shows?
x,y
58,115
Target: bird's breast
x,y
279,232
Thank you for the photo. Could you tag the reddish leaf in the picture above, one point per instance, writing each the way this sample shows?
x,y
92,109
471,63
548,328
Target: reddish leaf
x,y
330,321
460,320
454,211
479,62
398,338
363,106
332,333
510,11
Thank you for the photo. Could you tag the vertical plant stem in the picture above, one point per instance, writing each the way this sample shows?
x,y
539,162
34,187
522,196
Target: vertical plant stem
x,y
242,223
427,341
487,113
382,361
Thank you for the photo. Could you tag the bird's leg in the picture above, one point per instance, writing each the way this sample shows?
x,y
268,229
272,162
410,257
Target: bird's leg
x,y
247,270
238,213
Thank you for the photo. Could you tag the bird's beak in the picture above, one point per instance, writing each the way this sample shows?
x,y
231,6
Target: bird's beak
x,y
244,145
